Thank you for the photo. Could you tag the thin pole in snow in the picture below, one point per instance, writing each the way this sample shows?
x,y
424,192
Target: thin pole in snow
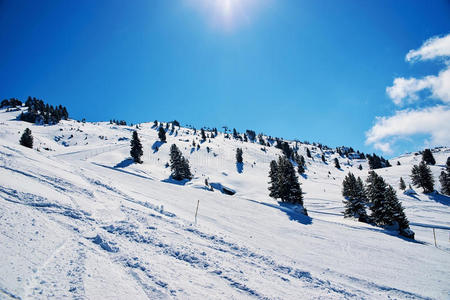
x,y
196,211
434,234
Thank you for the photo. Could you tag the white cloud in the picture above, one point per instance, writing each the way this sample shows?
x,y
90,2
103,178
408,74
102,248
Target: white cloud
x,y
406,90
431,121
432,48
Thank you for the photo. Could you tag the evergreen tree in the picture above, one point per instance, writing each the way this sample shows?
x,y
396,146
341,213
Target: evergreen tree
x,y
308,153
375,190
398,163
444,179
203,134
239,159
289,188
336,163
353,192
394,212
447,164
300,169
27,138
421,176
284,182
179,165
360,167
428,157
136,148
162,134
402,185
273,176
323,158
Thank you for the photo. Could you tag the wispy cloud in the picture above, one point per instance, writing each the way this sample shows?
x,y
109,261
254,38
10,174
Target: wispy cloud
x,y
432,121
433,48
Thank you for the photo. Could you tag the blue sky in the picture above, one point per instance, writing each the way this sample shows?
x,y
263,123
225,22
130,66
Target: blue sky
x,y
312,70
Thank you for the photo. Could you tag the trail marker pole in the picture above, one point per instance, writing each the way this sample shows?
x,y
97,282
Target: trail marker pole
x,y
196,211
434,234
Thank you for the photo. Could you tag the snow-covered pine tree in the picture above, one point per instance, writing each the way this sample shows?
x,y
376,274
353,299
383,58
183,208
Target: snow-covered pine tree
x,y
444,179
202,131
402,184
136,148
239,158
394,212
300,169
288,186
375,191
273,182
179,165
323,158
427,157
162,134
336,163
308,153
353,192
421,176
27,138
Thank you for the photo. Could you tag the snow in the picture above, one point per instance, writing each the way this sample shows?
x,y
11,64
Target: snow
x,y
81,220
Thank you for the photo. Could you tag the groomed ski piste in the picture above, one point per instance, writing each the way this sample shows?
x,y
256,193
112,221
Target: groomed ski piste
x,y
78,219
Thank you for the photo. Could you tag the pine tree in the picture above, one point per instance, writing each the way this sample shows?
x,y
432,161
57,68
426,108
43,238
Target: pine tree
x,y
360,167
375,190
203,134
284,182
421,176
323,158
273,176
300,169
239,158
162,134
428,157
136,148
398,163
27,138
179,165
308,153
336,163
353,192
444,179
394,212
402,185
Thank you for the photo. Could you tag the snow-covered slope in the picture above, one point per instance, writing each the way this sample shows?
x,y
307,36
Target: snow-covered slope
x,y
80,220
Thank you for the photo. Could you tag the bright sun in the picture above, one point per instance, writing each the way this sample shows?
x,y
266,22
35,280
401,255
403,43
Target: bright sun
x,y
227,14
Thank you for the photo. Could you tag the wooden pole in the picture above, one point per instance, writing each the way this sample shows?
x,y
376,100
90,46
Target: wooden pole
x,y
196,211
434,234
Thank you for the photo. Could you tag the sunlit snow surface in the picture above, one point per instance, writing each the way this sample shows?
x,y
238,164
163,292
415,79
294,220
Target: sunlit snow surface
x,y
82,221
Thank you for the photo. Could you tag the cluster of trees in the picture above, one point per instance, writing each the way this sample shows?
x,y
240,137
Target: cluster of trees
x,y
428,158
13,102
380,197
377,162
178,163
118,122
42,113
283,182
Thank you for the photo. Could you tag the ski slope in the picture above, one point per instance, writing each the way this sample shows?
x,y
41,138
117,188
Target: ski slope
x,y
80,220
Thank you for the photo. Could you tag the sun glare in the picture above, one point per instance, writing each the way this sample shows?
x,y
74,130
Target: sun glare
x,y
227,14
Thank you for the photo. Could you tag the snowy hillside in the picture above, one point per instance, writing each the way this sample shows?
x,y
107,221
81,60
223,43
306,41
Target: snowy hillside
x,y
78,219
